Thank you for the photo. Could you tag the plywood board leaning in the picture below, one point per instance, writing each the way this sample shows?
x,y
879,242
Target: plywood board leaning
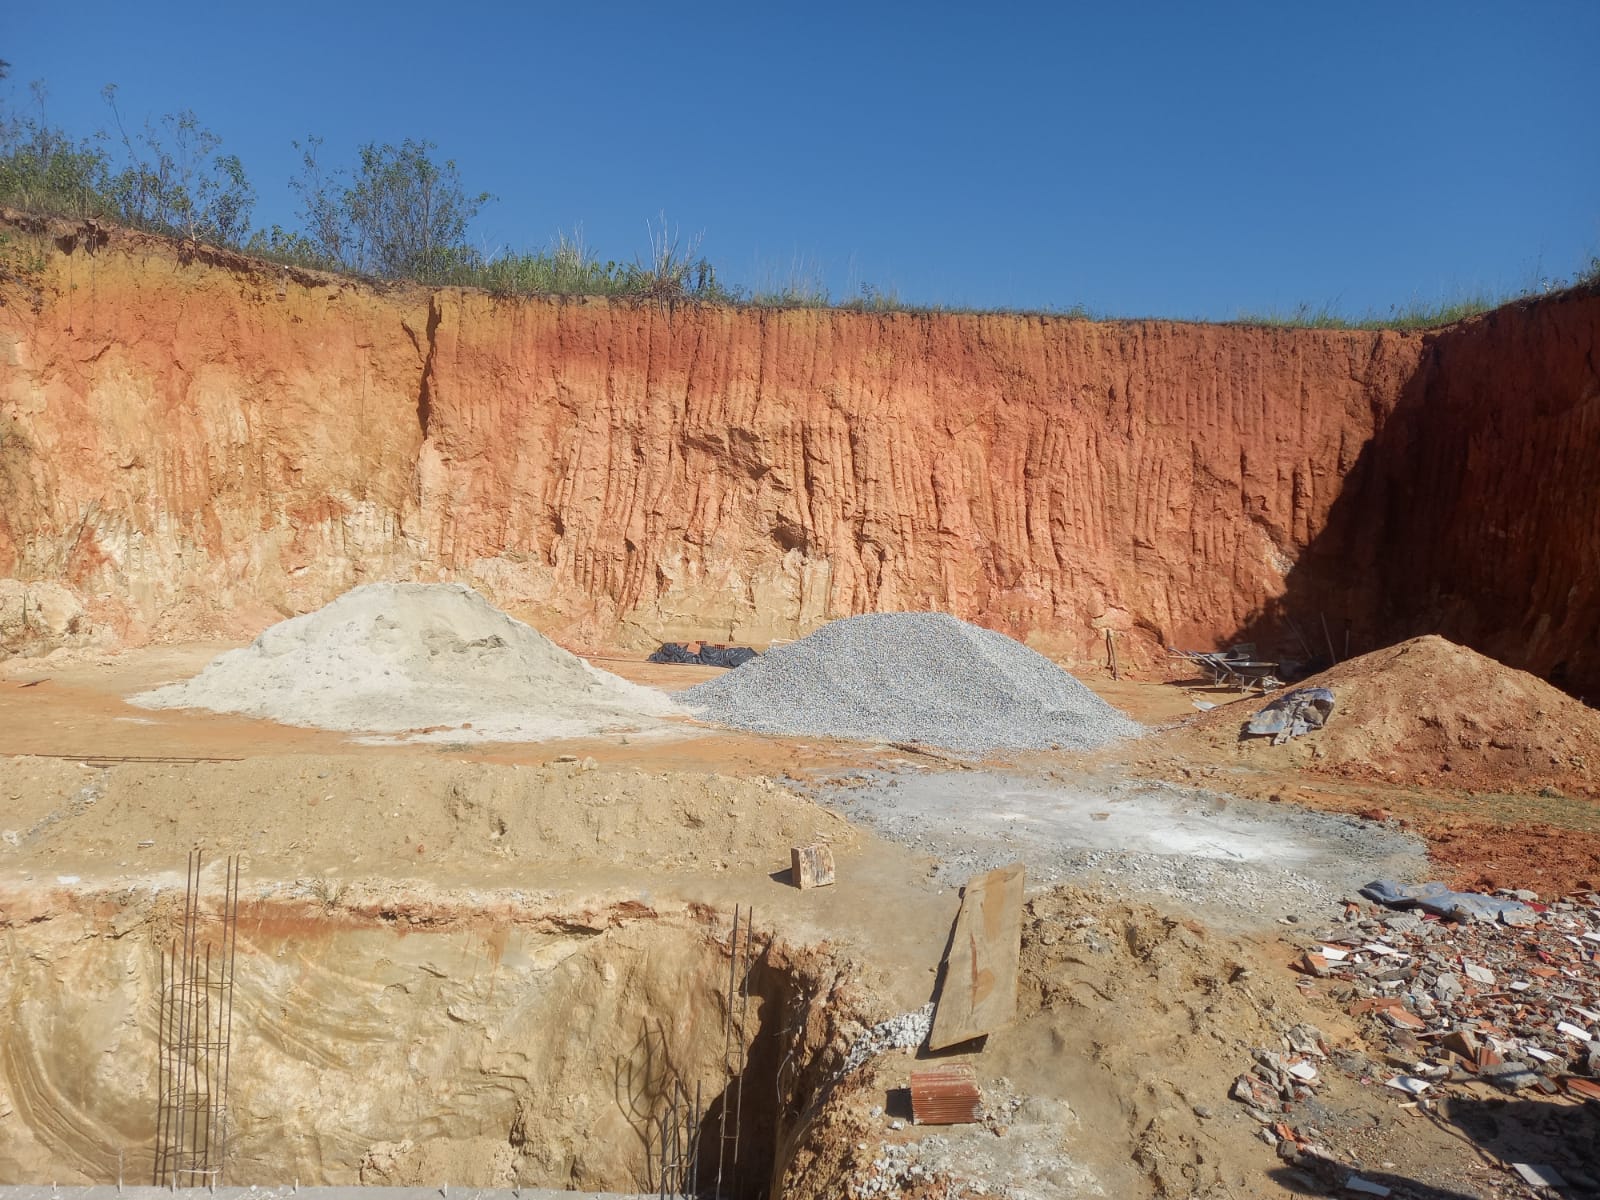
x,y
978,992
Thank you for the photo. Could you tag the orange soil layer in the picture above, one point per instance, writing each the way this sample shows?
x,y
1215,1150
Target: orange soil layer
x,y
197,442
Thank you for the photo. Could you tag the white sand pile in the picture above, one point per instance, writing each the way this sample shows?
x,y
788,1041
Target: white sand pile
x,y
912,677
419,659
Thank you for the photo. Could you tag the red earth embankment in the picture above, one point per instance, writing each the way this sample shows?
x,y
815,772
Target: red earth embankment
x,y
195,442
1492,506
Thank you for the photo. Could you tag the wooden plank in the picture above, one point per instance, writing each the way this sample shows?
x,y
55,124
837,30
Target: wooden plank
x,y
978,992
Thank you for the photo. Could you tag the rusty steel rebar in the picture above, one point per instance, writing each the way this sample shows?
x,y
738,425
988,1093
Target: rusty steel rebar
x,y
678,1144
744,1041
194,1032
735,1052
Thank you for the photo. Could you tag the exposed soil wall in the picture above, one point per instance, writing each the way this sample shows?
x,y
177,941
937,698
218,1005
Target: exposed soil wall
x,y
1472,511
195,443
401,1043
1492,536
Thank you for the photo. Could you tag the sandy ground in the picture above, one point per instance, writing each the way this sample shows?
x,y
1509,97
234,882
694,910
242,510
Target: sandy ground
x,y
1152,964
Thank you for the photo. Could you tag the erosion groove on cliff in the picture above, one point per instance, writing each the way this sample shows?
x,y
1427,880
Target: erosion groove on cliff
x,y
190,441
415,1045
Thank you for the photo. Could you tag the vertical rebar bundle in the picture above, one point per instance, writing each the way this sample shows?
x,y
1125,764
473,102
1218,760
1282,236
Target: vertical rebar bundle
x,y
678,1132
735,1050
194,1031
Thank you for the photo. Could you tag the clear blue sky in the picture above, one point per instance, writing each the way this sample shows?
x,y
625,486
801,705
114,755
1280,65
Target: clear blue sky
x,y
1170,159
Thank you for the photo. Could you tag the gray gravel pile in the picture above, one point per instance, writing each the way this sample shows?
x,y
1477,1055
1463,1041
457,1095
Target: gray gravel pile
x,y
913,677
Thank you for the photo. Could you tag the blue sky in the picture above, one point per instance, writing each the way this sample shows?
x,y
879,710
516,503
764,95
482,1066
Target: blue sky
x,y
1169,159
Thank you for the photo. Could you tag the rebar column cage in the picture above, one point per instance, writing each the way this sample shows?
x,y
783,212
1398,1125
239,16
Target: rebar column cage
x,y
194,1030
678,1144
735,1052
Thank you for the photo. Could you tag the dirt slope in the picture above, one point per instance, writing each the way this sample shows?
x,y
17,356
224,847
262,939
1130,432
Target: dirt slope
x,y
329,815
1431,713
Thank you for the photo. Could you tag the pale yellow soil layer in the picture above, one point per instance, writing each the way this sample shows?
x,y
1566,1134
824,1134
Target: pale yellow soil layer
x,y
296,814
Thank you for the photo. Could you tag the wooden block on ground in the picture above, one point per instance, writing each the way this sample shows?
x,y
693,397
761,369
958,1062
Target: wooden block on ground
x,y
811,866
979,992
945,1095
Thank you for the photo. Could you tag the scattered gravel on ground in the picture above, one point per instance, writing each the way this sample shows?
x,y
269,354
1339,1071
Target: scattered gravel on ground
x,y
904,1032
1017,1152
913,677
433,661
1237,862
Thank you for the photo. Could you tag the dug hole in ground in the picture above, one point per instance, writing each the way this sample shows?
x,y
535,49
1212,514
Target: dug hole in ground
x,y
469,958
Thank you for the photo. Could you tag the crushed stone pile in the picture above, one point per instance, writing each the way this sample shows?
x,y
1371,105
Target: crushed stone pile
x,y
912,677
1429,712
433,662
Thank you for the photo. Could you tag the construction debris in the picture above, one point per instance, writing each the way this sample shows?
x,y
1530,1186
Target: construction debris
x,y
1292,715
811,866
1539,1176
1468,1010
1476,1002
946,1096
704,654
1366,1187
1443,901
978,979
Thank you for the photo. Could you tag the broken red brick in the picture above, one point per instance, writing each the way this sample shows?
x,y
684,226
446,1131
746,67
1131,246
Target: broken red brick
x,y
1587,1088
1375,1004
1312,964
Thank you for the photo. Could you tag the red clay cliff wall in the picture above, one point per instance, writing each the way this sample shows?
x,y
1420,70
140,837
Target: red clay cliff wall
x,y
196,444
1492,503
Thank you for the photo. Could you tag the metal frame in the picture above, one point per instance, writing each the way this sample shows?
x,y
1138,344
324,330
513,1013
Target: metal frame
x,y
735,1048
194,1034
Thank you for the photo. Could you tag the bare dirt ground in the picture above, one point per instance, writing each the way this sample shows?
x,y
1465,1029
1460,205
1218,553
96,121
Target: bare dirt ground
x,y
1163,873
1498,772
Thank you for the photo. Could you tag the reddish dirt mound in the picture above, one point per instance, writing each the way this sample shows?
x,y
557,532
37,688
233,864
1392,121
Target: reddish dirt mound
x,y
1429,713
1552,861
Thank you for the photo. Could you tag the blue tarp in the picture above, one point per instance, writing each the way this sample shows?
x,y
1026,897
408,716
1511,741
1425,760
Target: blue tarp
x,y
1442,901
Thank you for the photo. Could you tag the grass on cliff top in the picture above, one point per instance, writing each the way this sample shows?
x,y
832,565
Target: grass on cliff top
x,y
569,269
1418,314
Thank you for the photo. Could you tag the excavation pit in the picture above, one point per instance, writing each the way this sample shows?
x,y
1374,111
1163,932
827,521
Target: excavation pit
x,y
392,1042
